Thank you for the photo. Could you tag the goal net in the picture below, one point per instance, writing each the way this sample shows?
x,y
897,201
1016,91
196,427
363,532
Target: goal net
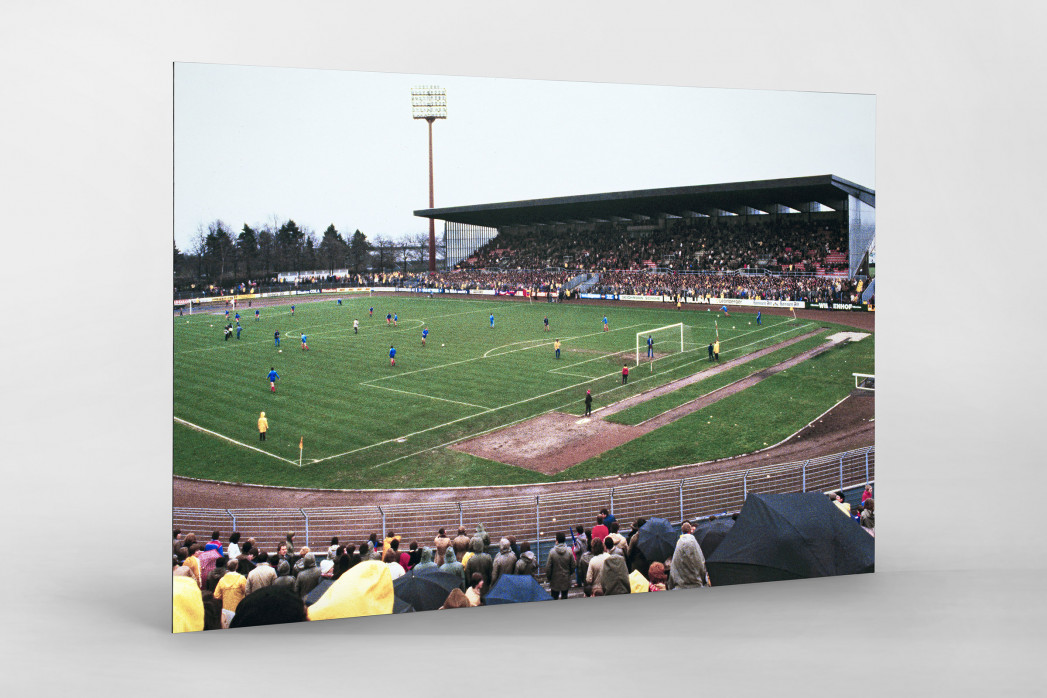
x,y
665,341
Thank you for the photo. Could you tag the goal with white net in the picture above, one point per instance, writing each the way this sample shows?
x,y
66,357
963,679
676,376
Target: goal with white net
x,y
664,340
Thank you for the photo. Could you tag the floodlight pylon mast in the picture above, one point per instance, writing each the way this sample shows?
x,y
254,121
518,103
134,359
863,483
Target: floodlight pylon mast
x,y
430,103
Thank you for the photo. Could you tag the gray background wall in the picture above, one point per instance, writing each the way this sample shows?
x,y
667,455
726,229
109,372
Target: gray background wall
x,y
957,602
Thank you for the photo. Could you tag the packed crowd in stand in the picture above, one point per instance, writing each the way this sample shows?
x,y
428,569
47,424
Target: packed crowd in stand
x,y
236,584
697,244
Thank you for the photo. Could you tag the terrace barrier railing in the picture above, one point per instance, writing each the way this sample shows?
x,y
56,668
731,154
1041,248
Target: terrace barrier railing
x,y
535,518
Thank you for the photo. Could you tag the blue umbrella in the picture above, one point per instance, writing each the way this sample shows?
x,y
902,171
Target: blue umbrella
x,y
517,588
657,540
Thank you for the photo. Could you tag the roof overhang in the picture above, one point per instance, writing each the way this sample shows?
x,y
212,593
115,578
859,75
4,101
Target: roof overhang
x,y
767,196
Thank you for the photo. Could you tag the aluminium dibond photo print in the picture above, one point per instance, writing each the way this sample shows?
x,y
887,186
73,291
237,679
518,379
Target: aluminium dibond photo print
x,y
446,342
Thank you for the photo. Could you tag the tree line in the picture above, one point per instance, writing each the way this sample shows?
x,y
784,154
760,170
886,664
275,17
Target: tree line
x,y
219,255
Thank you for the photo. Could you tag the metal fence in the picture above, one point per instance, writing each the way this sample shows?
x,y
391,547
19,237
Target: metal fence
x,y
535,518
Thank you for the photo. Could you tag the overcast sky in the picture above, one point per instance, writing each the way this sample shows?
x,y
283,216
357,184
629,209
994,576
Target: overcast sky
x,y
324,147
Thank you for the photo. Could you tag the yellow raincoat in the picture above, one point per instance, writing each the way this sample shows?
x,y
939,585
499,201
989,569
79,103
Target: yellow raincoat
x,y
263,423
638,583
365,590
188,605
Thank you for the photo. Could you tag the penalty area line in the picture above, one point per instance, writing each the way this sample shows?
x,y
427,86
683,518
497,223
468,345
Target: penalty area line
x,y
199,428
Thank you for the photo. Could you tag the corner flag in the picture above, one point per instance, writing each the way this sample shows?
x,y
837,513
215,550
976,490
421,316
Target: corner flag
x,y
301,445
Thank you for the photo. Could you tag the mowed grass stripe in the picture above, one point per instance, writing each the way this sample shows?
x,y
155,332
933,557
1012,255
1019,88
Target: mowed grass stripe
x,y
656,406
747,421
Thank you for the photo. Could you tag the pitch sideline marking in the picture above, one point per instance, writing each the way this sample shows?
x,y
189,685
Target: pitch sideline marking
x,y
197,427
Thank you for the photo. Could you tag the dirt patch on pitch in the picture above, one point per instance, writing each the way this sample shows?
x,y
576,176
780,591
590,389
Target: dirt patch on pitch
x,y
550,443
553,442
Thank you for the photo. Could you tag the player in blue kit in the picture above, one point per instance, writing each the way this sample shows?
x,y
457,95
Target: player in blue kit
x,y
370,313
604,323
238,328
650,347
237,318
759,314
273,377
395,319
292,310
724,309
388,319
492,321
392,355
425,333
305,347
256,314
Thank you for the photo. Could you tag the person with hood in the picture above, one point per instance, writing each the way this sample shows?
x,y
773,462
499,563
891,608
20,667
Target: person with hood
x,y
504,562
461,544
309,577
188,605
484,536
425,561
559,568
365,590
452,566
614,577
263,425
528,563
332,549
687,570
283,575
442,542
207,557
479,562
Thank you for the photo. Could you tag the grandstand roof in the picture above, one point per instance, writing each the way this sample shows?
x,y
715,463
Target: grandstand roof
x,y
770,195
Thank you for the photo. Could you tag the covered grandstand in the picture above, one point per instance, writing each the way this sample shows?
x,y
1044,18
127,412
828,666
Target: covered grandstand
x,y
754,215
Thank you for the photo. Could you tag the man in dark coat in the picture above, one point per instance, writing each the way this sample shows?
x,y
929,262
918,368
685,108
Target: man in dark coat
x,y
479,562
504,561
560,568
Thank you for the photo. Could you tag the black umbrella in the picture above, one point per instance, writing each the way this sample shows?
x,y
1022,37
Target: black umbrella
x,y
426,590
790,536
400,606
711,533
657,540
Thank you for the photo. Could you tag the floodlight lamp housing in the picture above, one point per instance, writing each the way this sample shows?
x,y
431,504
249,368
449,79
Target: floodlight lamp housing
x,y
428,102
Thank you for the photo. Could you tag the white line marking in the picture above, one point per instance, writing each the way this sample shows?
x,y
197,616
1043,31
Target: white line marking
x,y
232,441
431,397
532,416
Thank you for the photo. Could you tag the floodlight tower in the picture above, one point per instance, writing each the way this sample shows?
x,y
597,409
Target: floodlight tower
x,y
430,103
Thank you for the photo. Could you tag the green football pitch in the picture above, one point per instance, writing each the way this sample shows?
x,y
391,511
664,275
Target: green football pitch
x,y
365,424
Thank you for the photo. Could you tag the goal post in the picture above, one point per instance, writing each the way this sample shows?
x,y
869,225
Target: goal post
x,y
668,339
